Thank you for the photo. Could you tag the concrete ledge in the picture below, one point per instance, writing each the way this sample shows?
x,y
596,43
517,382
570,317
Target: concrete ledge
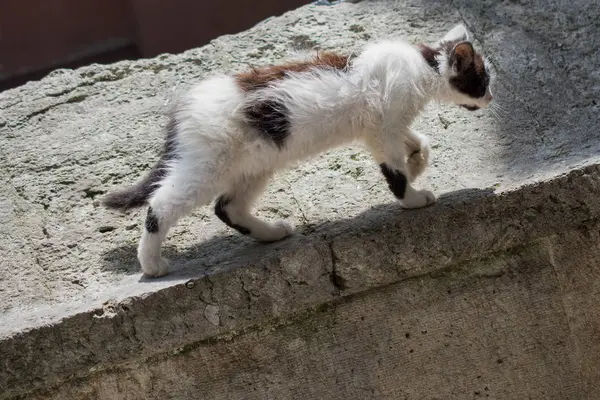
x,y
298,280
492,292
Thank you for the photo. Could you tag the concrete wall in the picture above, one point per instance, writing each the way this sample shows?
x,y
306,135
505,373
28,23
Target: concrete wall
x,y
521,323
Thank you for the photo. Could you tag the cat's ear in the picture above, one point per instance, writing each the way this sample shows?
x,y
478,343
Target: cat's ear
x,y
462,56
457,34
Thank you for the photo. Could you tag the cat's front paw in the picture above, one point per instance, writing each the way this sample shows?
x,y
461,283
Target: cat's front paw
x,y
418,199
273,232
155,267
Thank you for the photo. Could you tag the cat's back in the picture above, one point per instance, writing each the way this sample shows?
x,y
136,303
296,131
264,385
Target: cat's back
x,y
203,114
389,57
214,95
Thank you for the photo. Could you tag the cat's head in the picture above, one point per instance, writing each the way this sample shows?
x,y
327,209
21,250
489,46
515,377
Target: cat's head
x,y
466,72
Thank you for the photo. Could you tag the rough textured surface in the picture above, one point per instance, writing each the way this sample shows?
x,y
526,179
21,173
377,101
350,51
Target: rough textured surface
x,y
511,326
236,319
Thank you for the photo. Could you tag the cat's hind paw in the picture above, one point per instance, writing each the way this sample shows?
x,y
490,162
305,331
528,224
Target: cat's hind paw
x,y
418,199
273,232
155,267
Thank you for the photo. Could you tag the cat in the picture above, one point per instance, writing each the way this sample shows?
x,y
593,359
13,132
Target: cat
x,y
228,134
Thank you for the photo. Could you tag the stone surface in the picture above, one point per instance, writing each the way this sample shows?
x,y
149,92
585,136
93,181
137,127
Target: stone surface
x,y
507,261
498,328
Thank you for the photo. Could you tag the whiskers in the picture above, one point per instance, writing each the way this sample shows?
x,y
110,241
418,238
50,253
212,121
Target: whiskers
x,y
499,111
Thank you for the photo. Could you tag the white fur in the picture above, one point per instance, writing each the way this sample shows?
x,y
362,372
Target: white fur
x,y
376,102
457,34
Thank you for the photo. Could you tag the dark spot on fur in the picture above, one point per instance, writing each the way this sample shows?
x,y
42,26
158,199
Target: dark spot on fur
x,y
168,152
151,221
429,54
220,212
137,195
396,180
259,78
270,118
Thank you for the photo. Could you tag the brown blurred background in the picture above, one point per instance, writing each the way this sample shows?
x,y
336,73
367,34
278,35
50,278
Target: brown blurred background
x,y
37,36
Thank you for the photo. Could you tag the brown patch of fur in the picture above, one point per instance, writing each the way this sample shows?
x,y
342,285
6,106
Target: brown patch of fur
x,y
466,51
429,55
479,64
261,77
463,54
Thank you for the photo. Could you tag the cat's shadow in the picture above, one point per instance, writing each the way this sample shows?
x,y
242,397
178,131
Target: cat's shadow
x,y
232,250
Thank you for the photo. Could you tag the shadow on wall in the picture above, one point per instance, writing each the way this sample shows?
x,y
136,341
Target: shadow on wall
x,y
199,257
41,35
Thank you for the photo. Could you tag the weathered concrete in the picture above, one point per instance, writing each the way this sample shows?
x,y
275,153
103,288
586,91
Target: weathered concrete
x,y
497,286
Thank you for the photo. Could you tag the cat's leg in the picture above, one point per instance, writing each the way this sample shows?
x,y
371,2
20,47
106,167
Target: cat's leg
x,y
235,209
417,149
178,195
389,150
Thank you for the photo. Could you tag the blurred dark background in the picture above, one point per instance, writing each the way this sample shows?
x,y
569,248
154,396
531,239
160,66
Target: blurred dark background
x,y
37,36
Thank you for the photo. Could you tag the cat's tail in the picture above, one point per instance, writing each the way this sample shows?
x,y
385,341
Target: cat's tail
x,y
137,195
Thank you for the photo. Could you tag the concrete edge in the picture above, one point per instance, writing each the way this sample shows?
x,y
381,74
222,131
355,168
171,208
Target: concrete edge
x,y
265,288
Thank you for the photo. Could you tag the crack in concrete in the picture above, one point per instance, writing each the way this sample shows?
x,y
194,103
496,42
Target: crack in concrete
x,y
336,279
303,217
549,248
70,100
211,295
127,324
248,293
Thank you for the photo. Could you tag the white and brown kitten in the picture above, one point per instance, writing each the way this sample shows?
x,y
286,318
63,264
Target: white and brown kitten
x,y
229,134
